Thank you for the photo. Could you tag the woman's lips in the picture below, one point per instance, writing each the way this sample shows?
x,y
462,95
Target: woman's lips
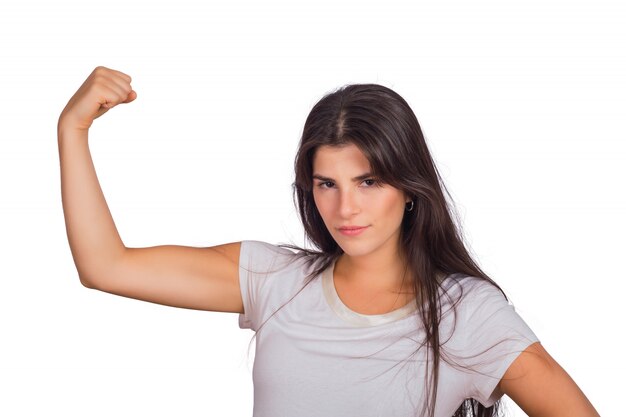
x,y
352,231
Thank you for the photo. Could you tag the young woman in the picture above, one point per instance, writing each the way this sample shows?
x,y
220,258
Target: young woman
x,y
390,316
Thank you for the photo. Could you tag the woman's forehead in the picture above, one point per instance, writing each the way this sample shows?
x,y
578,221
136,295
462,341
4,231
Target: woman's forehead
x,y
346,159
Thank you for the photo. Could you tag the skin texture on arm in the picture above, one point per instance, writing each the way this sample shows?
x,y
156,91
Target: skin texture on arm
x,y
93,237
542,388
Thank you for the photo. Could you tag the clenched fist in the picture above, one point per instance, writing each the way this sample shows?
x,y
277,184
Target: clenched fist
x,y
104,89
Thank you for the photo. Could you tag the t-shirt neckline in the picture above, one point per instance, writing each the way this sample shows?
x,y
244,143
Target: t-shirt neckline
x,y
351,316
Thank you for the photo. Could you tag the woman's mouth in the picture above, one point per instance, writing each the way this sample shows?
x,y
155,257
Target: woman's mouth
x,y
352,230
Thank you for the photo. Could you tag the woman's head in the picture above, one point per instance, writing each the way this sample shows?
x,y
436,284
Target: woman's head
x,y
348,195
375,124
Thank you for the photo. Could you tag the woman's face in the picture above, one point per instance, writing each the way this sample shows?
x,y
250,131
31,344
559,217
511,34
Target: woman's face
x,y
346,195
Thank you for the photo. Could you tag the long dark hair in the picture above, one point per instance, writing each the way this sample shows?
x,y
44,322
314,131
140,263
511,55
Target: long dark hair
x,y
382,125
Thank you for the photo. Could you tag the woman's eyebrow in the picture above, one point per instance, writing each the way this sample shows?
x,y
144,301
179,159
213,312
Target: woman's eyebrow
x,y
359,178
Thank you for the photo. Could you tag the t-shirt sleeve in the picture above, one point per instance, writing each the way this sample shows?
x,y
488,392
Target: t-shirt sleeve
x,y
261,264
491,335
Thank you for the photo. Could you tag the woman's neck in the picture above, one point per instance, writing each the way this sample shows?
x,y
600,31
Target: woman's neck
x,y
374,273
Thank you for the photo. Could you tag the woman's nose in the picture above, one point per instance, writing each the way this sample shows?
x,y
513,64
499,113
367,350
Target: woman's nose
x,y
348,203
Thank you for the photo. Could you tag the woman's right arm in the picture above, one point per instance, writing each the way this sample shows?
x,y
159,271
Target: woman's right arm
x,y
179,276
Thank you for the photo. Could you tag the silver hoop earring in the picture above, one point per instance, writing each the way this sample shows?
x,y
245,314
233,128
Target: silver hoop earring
x,y
411,207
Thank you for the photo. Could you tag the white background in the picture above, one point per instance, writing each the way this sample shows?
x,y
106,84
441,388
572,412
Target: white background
x,y
522,104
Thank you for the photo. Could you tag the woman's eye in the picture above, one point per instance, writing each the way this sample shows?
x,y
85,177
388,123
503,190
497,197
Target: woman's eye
x,y
329,184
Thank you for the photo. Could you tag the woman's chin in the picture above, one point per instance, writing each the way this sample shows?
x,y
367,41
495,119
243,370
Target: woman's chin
x,y
355,250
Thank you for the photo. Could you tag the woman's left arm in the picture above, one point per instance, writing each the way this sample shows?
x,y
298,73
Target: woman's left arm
x,y
542,388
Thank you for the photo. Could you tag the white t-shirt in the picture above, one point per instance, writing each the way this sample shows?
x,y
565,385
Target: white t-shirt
x,y
317,358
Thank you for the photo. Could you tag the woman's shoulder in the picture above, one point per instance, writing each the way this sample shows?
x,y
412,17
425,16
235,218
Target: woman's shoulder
x,y
464,283
265,247
475,305
258,253
468,293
